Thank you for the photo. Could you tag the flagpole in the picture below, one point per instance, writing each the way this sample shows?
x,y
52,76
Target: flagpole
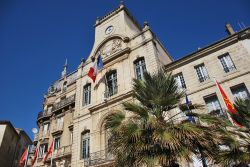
x,y
51,160
228,116
25,164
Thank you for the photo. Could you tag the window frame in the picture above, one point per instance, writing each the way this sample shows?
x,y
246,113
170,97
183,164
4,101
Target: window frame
x,y
43,148
111,83
140,66
47,129
238,86
57,143
179,78
87,92
85,144
209,98
202,72
223,59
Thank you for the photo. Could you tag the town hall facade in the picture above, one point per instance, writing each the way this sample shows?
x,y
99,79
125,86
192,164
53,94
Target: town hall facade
x,y
75,107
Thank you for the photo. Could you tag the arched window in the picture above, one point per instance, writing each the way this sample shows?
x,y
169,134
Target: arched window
x,y
111,84
86,94
85,145
140,68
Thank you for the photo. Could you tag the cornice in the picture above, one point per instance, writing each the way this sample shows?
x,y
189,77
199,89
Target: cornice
x,y
244,34
110,101
114,12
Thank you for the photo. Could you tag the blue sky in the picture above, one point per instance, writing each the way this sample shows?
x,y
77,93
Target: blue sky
x,y
37,36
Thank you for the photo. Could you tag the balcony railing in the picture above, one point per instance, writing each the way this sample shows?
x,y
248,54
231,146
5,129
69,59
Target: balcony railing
x,y
229,68
44,135
111,91
62,151
98,158
64,102
57,128
43,114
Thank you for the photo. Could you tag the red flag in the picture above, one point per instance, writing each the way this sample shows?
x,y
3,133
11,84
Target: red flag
x,y
93,72
23,157
35,157
49,151
230,107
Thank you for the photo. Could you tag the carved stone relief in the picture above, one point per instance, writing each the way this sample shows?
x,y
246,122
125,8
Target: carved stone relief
x,y
110,48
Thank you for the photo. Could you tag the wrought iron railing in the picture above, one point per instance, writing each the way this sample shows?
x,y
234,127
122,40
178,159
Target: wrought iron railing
x,y
99,157
111,91
43,114
64,102
203,78
229,68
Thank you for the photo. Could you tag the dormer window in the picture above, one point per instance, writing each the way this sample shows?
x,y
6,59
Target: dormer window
x,y
140,68
64,86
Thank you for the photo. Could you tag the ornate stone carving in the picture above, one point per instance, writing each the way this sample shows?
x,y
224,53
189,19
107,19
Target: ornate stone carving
x,y
110,47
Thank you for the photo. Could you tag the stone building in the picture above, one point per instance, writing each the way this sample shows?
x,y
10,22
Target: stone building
x,y
13,142
75,107
55,122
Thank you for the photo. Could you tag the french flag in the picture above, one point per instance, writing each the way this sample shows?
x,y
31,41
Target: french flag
x,y
98,65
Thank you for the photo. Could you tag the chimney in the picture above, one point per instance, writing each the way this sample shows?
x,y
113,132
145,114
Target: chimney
x,y
229,29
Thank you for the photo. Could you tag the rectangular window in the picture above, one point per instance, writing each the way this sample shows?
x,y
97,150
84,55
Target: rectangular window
x,y
86,145
227,63
71,137
87,94
202,72
180,80
59,123
112,88
240,91
213,104
140,68
43,148
49,109
57,143
45,129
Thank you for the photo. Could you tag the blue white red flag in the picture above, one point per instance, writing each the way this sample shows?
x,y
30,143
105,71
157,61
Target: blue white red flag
x,y
97,66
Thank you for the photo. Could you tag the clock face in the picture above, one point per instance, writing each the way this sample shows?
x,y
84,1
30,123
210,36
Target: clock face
x,y
109,29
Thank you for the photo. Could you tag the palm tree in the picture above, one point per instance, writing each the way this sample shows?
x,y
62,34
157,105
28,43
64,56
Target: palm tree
x,y
243,112
149,134
236,139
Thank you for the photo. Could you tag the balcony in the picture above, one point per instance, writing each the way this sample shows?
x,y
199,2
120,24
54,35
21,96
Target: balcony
x,y
62,152
57,129
99,158
43,114
43,135
63,103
